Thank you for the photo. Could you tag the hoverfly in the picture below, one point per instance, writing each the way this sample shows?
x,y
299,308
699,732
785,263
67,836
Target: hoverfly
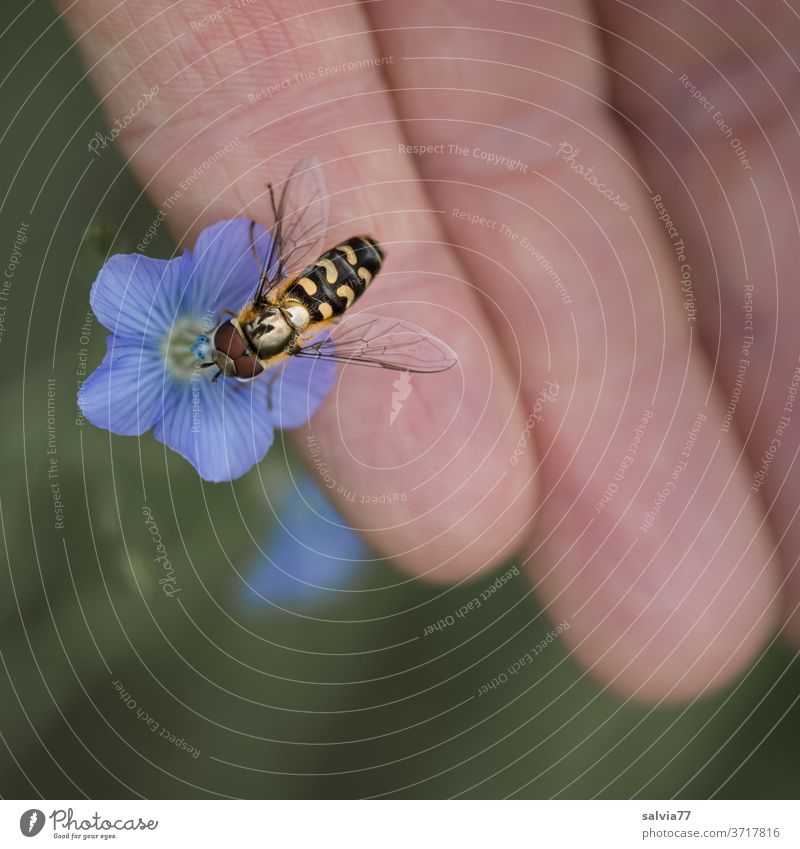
x,y
298,297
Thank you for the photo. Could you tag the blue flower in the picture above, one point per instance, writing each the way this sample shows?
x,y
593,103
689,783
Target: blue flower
x,y
160,314
311,558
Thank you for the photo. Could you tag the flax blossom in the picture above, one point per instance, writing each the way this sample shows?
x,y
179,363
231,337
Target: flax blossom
x,y
297,572
160,314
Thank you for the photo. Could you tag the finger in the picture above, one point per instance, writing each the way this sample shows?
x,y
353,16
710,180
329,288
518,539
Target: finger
x,y
725,95
242,94
666,595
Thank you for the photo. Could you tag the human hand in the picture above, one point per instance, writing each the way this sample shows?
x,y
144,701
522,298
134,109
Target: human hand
x,y
525,236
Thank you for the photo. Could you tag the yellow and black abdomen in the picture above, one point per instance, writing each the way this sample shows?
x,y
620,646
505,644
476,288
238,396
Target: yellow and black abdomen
x,y
339,277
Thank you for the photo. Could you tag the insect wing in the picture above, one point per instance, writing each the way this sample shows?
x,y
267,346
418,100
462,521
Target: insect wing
x,y
300,221
382,341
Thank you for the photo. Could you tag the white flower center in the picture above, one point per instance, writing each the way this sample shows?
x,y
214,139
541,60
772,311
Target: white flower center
x,y
187,346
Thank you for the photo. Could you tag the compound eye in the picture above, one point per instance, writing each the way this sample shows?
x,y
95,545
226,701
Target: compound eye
x,y
228,341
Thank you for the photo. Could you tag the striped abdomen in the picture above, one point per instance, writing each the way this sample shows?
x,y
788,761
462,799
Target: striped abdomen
x,y
338,278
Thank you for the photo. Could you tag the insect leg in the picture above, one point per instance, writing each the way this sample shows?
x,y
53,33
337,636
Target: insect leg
x,y
253,226
272,378
253,244
272,202
226,312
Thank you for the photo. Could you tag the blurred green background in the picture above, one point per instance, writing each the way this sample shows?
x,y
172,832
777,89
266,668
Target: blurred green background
x,y
343,696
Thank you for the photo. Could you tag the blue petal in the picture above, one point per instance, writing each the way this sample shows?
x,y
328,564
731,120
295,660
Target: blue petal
x,y
221,428
125,393
137,296
225,271
298,393
292,571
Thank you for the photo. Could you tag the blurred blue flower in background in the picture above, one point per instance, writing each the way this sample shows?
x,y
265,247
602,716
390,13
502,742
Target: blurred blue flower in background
x,y
293,571
159,313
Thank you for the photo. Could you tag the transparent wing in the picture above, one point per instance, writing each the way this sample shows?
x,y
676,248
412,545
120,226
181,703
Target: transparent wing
x,y
381,341
300,220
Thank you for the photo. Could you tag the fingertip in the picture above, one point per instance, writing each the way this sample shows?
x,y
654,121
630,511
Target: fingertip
x,y
660,622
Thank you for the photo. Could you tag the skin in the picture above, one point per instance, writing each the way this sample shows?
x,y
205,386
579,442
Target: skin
x,y
667,613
